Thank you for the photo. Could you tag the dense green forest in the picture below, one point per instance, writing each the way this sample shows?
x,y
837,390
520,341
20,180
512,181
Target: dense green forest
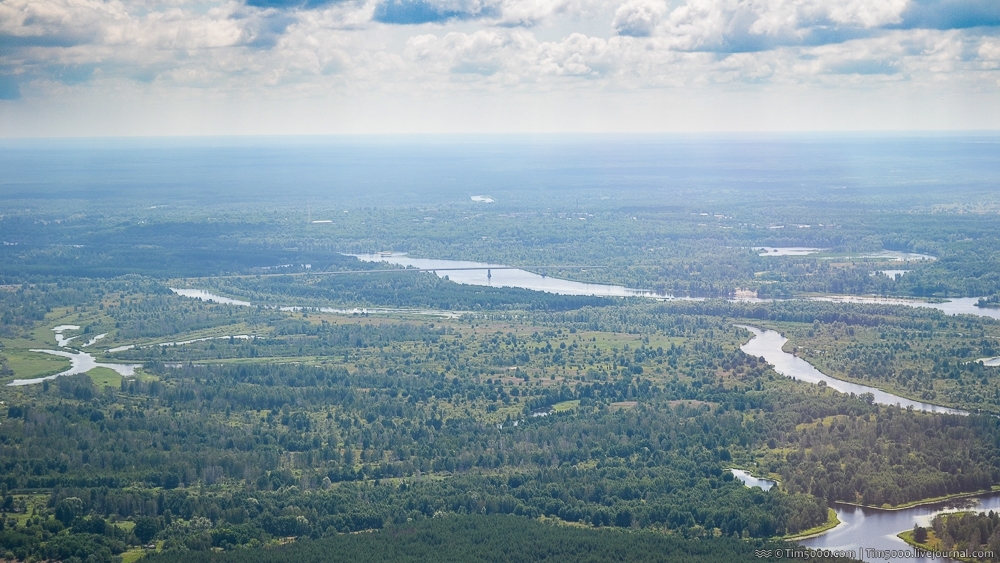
x,y
975,534
934,358
705,248
496,539
624,415
448,419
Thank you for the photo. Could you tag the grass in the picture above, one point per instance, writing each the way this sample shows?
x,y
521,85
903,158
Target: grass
x,y
831,523
566,405
27,364
933,543
105,377
133,555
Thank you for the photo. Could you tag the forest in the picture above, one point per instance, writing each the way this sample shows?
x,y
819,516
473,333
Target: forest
x,y
618,416
334,406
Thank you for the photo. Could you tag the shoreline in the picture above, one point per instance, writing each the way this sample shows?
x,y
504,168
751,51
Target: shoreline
x,y
924,502
907,537
904,395
831,522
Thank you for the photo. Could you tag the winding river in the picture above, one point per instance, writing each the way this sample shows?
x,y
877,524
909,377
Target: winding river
x,y
79,362
768,343
860,528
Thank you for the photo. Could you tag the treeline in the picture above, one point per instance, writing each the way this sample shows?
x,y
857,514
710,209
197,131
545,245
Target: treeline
x,y
934,360
891,457
964,531
486,539
84,248
399,288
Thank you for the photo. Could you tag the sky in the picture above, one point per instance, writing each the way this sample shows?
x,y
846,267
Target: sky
x,y
274,67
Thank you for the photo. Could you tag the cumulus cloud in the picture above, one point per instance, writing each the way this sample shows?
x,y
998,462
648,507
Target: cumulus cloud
x,y
731,26
638,18
989,54
755,25
314,46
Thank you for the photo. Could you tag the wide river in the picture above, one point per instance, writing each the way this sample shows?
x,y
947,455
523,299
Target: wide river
x,y
871,528
497,275
481,273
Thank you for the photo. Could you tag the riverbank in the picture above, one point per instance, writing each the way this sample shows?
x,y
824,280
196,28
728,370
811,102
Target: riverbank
x,y
926,501
933,543
831,522
769,344
790,346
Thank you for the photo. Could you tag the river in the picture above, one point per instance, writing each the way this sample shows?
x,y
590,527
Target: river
x,y
956,306
860,528
872,528
768,343
80,362
498,275
207,296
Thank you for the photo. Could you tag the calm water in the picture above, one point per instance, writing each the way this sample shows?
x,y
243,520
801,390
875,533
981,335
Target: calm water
x,y
750,481
208,296
957,306
80,362
891,274
872,528
488,275
787,250
768,343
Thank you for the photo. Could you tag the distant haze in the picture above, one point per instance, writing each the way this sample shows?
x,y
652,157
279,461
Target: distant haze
x,y
513,170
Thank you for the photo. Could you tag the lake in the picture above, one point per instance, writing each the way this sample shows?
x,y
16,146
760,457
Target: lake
x,y
750,481
768,343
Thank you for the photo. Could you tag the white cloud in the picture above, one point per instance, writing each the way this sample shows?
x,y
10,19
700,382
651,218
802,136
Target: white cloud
x,y
989,54
60,49
638,18
760,24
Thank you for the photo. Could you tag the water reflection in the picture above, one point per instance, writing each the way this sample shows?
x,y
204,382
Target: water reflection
x,y
750,481
872,528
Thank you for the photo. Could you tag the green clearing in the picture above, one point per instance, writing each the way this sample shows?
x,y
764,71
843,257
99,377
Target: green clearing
x,y
565,406
27,364
105,377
